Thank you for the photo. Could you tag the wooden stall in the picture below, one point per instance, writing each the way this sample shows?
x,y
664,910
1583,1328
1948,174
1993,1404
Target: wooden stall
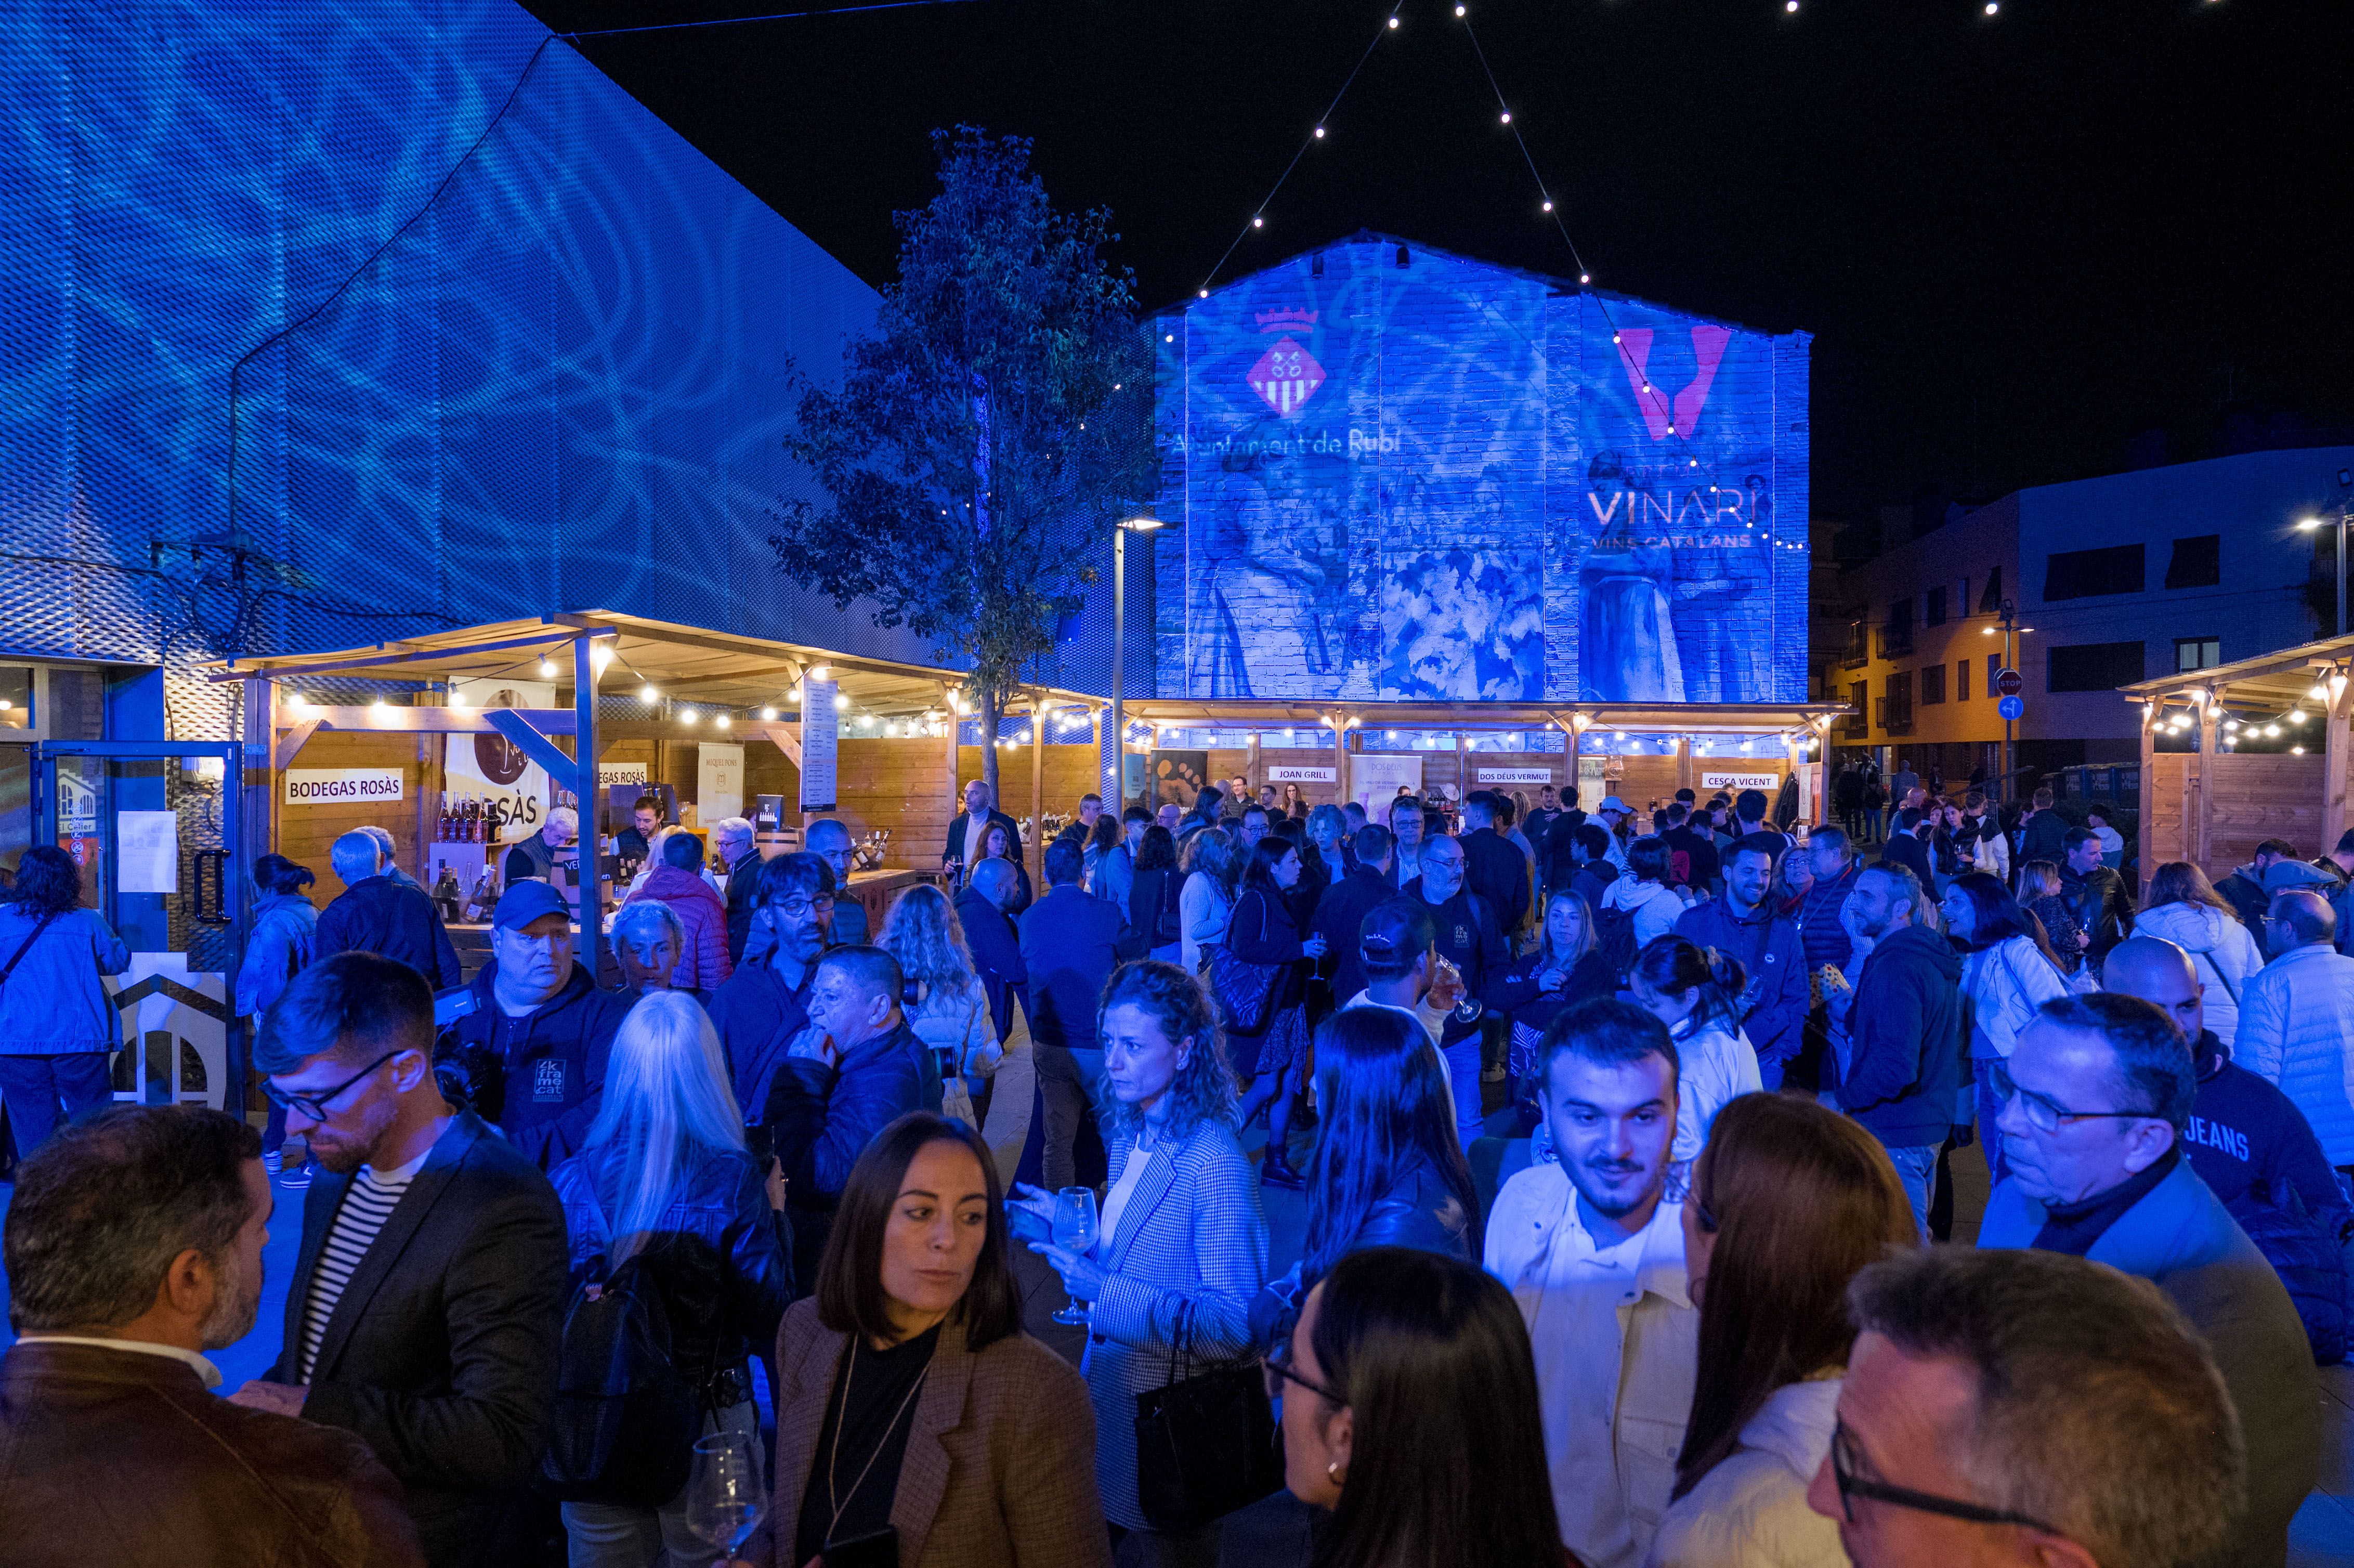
x,y
2226,780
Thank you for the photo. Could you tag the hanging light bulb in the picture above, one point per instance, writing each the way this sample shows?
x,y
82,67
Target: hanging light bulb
x,y
840,702
600,655
725,721
687,716
547,668
767,716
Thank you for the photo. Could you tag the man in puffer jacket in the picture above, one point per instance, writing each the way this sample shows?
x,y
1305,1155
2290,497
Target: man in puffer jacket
x,y
2252,1148
2296,1020
678,882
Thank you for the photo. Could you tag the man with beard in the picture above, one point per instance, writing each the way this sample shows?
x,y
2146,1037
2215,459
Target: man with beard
x,y
1594,1253
134,1245
760,1008
428,1299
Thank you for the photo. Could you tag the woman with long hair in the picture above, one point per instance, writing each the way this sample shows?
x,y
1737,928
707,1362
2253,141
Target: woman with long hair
x,y
1564,968
998,840
946,1004
1788,1202
2043,899
2184,908
1265,934
2008,970
1388,1169
908,1398
1696,992
1293,804
1107,870
1180,1247
1154,908
663,1183
58,1025
1214,859
285,927
1410,1416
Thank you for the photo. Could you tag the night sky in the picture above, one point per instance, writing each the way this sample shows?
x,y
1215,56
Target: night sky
x,y
2019,240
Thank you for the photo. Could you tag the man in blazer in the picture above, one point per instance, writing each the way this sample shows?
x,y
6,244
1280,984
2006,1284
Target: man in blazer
x,y
967,828
1070,945
996,950
426,1310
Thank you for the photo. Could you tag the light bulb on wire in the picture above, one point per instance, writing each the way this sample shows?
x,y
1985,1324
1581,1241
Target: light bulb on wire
x,y
547,668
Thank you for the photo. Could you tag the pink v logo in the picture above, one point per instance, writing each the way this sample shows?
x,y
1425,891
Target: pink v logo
x,y
1661,418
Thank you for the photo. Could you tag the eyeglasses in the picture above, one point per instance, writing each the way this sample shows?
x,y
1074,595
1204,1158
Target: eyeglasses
x,y
314,1107
1278,1371
2044,1113
1851,1487
801,908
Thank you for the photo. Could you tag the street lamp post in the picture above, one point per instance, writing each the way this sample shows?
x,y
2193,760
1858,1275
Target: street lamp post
x,y
2010,618
1119,647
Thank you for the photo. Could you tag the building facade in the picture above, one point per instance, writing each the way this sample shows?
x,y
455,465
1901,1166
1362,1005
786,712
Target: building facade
x,y
2107,582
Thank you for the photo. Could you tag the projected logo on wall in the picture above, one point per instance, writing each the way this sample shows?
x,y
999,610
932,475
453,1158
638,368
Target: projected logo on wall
x,y
1447,481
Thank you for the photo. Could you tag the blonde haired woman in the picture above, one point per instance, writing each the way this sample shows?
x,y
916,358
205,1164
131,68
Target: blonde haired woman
x,y
949,1007
1215,860
664,1187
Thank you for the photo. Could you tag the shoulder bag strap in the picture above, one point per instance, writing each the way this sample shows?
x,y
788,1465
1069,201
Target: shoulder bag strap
x,y
2229,990
27,944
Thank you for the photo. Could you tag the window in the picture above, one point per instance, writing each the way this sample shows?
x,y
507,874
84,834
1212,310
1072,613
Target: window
x,y
1932,683
2093,666
1962,681
17,699
2198,652
1994,668
1990,601
1896,707
2087,574
1934,613
2197,563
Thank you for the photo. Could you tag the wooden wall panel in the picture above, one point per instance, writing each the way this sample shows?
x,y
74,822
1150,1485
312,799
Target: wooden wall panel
x,y
306,833
2262,797
2167,829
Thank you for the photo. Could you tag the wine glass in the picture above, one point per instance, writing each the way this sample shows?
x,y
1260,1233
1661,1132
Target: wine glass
x,y
725,1495
1075,1231
1470,1007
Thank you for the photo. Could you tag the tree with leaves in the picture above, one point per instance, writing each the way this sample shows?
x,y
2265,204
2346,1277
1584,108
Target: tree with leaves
x,y
986,434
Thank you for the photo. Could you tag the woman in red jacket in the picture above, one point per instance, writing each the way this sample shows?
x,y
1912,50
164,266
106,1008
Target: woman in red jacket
x,y
678,882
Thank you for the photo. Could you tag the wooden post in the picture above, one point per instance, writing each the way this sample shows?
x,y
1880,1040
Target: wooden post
x,y
1462,771
2334,759
1683,762
2202,832
2147,804
1039,710
1341,759
1254,763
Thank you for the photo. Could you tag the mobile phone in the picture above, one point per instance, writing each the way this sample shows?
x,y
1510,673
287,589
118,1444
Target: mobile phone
x,y
878,1550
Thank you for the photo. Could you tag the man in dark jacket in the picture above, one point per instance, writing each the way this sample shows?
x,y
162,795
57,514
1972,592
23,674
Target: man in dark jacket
x,y
531,1034
427,1304
1494,866
1820,933
109,1370
2042,831
1692,840
829,839
1070,945
1579,861
1469,939
760,1010
732,841
1904,1021
1341,912
2244,889
969,827
1908,845
853,1072
1772,1002
376,914
2103,1088
2097,893
995,946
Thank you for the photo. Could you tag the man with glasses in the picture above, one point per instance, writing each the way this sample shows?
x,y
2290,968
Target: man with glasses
x,y
759,1009
2297,1019
530,1035
1592,1247
1469,939
2095,1097
2007,1408
428,1298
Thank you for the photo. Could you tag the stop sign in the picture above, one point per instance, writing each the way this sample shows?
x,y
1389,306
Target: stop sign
x,y
2008,683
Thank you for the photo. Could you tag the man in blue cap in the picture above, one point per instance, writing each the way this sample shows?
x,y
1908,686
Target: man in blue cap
x,y
530,1033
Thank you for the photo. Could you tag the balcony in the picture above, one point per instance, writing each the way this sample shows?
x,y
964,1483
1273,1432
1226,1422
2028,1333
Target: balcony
x,y
1855,725
1857,651
1894,641
1892,719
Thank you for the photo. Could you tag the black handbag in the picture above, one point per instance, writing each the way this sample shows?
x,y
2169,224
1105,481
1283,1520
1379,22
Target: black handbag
x,y
1247,989
1205,1442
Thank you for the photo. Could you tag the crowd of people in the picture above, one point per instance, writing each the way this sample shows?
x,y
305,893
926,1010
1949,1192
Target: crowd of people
x,y
1623,1152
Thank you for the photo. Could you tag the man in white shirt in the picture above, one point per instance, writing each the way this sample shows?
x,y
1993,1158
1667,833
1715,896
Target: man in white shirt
x,y
1398,944
1593,1251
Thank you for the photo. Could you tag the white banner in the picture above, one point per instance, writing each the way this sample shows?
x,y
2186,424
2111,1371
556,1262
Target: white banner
x,y
612,773
820,728
718,781
343,785
1375,777
1289,775
1515,775
490,768
1739,781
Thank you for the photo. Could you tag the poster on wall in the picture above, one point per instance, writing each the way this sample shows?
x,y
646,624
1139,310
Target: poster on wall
x,y
820,722
147,851
490,768
1179,776
1406,475
1377,779
718,781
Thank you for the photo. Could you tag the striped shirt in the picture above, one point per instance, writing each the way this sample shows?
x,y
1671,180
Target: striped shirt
x,y
368,1201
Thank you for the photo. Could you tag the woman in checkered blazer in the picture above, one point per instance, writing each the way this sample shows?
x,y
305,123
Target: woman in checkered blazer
x,y
1183,1240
